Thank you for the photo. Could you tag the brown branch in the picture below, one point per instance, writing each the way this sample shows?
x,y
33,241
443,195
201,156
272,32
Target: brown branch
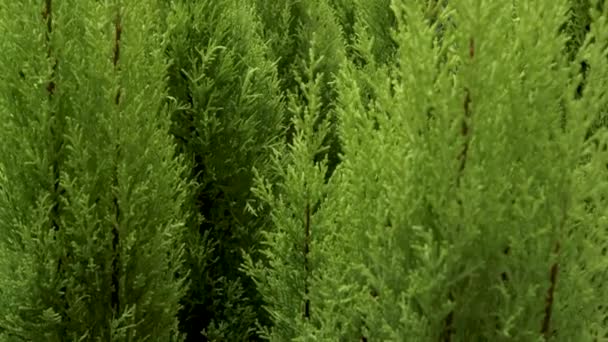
x,y
504,275
471,48
465,132
545,328
117,34
56,127
47,15
115,298
448,328
306,261
448,324
467,114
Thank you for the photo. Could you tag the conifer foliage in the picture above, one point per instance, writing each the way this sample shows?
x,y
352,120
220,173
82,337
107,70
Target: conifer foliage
x,y
303,170
230,114
291,259
292,28
91,199
460,209
301,167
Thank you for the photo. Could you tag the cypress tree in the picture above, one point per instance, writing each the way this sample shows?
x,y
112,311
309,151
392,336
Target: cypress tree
x,y
474,225
291,259
281,21
290,38
91,200
577,28
230,116
375,23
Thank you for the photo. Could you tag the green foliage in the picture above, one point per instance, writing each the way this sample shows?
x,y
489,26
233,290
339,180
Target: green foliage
x,y
303,25
303,170
577,28
291,256
375,24
280,21
91,199
475,224
579,22
230,116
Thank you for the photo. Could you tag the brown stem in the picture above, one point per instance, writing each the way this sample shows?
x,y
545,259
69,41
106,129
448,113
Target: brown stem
x,y
504,275
545,328
465,133
56,135
47,14
467,114
306,261
448,324
115,298
57,142
448,329
117,33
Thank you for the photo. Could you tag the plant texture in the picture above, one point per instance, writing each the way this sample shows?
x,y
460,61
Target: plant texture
x,y
91,194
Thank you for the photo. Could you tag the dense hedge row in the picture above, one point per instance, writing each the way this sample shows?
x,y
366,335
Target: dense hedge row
x,y
303,170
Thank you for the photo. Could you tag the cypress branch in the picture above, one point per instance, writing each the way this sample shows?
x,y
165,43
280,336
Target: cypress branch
x,y
307,241
67,272
116,272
